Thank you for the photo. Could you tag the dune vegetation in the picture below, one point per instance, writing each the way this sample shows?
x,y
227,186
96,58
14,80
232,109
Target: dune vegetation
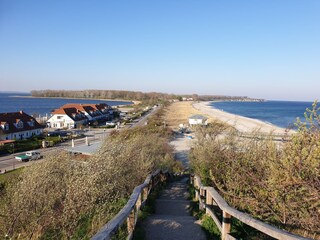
x,y
67,198
275,181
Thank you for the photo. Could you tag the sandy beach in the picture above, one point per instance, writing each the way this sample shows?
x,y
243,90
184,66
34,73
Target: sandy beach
x,y
241,123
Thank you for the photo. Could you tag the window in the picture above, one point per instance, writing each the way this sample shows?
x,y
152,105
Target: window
x,y
5,126
31,123
19,124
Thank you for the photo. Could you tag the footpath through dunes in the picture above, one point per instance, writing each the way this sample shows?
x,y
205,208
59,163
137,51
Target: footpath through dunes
x,y
172,219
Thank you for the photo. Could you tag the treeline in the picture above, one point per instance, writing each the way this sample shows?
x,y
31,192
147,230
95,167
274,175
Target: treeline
x,y
130,95
102,94
276,182
66,198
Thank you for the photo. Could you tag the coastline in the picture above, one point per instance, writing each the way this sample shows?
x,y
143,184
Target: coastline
x,y
241,123
98,99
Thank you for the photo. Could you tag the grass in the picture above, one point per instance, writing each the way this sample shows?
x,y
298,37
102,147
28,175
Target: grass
x,y
178,113
208,225
8,176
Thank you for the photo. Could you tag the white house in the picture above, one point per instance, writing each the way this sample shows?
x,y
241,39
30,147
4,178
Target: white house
x,y
67,118
18,126
73,115
198,119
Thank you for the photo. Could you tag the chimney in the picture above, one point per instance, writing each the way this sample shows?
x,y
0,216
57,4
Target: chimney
x,y
21,112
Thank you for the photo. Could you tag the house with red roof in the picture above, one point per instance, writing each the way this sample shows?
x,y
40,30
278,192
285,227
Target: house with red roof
x,y
18,126
73,115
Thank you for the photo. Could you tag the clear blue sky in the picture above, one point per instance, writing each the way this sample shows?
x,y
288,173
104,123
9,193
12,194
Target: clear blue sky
x,y
267,49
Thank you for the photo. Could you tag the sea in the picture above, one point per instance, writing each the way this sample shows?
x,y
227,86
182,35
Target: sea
x,y
280,113
14,102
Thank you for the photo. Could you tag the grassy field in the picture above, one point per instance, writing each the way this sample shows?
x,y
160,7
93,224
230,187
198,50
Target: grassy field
x,y
6,177
179,112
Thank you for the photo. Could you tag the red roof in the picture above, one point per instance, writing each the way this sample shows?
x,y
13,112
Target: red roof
x,y
11,119
72,112
73,108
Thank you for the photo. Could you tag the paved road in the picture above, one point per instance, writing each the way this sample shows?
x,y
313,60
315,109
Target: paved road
x,y
9,162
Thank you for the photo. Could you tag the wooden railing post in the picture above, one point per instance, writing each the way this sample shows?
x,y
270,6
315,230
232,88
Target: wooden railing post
x,y
145,193
209,199
226,225
139,201
130,221
196,195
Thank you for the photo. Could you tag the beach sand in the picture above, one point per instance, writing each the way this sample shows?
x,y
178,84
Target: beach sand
x,y
241,123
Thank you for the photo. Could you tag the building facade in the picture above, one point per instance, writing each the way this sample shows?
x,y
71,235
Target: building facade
x,y
74,115
18,126
198,119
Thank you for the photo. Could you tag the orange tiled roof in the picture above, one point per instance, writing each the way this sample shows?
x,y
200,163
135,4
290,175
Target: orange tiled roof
x,y
91,109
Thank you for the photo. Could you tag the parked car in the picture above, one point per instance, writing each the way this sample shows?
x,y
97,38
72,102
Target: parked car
x,y
29,156
110,124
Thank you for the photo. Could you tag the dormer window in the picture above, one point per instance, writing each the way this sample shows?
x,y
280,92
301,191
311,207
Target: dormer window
x,y
19,124
5,126
31,123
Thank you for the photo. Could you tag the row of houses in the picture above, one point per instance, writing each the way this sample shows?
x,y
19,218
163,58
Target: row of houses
x,y
19,125
74,115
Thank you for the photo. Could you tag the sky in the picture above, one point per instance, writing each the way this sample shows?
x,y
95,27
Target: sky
x,y
262,49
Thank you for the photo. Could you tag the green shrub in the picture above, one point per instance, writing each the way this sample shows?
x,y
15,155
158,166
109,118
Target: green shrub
x,y
63,198
276,182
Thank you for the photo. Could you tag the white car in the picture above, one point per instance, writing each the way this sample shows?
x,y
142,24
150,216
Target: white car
x,y
110,124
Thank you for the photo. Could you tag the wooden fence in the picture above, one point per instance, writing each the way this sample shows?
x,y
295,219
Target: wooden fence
x,y
209,197
129,213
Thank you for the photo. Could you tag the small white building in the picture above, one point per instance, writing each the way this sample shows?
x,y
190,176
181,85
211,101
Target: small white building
x,y
18,126
198,119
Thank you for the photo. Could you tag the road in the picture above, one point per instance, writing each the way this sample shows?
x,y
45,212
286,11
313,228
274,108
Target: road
x,y
9,162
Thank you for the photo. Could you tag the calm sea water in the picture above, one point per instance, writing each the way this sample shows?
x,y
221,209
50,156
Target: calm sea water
x,y
42,106
280,113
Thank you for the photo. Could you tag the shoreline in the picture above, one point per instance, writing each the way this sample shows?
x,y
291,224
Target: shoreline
x,y
241,123
98,99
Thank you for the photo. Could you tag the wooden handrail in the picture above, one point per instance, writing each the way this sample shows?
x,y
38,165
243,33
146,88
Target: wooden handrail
x,y
130,211
212,197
